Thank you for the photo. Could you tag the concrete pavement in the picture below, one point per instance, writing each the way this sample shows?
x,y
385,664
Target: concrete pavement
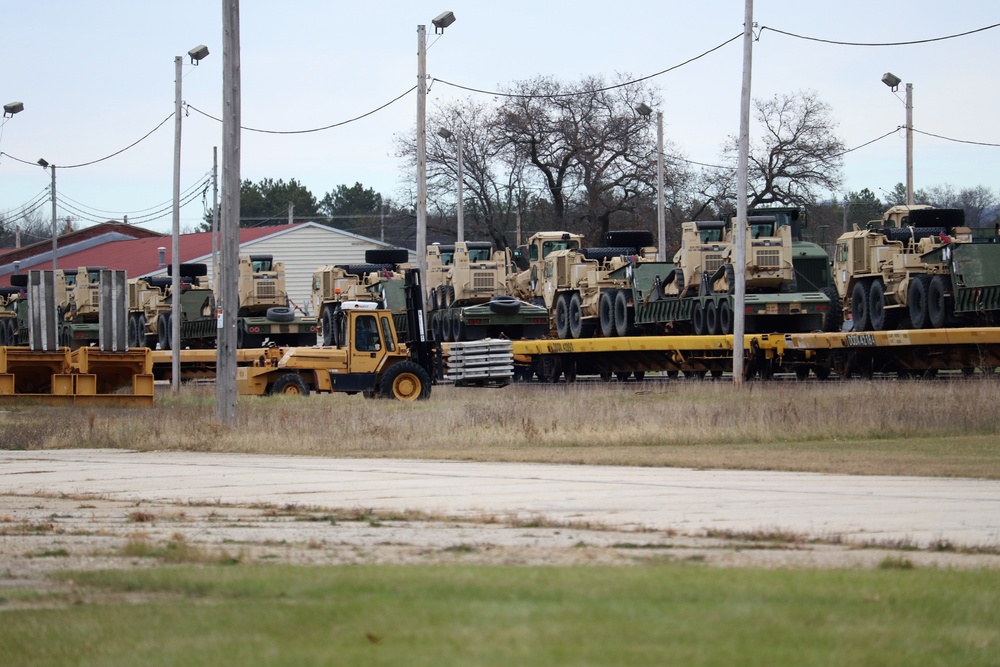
x,y
912,510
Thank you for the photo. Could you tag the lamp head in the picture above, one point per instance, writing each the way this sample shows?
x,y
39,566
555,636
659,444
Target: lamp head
x,y
42,162
891,80
444,133
198,53
443,21
643,109
12,108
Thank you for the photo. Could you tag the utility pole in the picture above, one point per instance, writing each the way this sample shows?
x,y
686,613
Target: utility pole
x,y
661,219
422,151
225,379
739,229
215,221
909,144
461,176
175,242
55,222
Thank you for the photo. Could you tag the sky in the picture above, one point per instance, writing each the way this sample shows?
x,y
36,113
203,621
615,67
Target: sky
x,y
97,76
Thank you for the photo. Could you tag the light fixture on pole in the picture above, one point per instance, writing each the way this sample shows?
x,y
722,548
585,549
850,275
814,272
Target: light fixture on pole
x,y
12,108
893,82
43,163
196,54
446,134
440,23
661,222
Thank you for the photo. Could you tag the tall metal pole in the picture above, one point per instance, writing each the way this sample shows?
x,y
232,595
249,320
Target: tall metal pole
x,y
175,242
422,150
225,375
661,219
55,223
909,144
461,177
215,219
739,231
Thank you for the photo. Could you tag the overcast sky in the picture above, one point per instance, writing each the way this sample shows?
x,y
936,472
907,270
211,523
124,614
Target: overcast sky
x,y
96,76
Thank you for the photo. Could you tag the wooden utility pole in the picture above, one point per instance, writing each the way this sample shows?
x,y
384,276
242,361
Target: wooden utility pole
x,y
225,376
740,227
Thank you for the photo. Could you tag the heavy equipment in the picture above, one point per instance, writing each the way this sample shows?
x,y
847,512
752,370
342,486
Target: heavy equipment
x,y
78,305
918,267
369,356
150,308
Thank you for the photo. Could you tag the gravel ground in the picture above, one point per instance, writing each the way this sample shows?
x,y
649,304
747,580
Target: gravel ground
x,y
40,535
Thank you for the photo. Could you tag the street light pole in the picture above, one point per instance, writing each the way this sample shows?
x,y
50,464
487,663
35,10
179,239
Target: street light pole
x,y
421,150
661,223
740,228
446,134
55,228
893,82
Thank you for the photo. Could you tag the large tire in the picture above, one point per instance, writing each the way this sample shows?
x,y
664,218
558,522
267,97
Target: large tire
x,y
405,381
632,238
712,318
163,330
859,306
505,305
939,301
576,315
189,270
725,318
918,298
624,316
834,318
562,316
604,254
447,296
436,325
679,280
606,310
876,305
290,384
458,332
698,318
446,326
280,314
327,325
387,256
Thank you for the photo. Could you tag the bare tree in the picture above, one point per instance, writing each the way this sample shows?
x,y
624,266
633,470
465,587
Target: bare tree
x,y
796,157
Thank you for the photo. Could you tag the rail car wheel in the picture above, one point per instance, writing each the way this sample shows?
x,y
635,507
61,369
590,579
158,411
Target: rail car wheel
x,y
606,377
802,372
939,301
917,297
290,384
405,381
562,316
859,306
725,318
712,318
606,309
576,316
876,305
623,376
698,319
639,375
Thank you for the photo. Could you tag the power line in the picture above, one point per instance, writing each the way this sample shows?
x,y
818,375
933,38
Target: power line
x,y
198,185
959,141
908,43
315,129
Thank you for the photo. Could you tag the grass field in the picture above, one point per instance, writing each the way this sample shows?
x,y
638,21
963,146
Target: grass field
x,y
670,614
931,428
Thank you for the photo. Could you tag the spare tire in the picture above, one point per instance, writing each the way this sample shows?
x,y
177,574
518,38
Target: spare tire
x,y
159,282
387,256
364,269
19,280
632,238
280,314
189,270
604,254
505,305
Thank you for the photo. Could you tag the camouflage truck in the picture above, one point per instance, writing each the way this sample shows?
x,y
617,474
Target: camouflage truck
x,y
150,308
467,295
78,301
906,270
265,315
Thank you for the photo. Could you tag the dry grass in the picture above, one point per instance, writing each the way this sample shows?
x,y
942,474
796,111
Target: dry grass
x,y
942,428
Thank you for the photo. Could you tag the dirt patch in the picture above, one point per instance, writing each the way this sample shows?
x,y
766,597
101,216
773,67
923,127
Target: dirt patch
x,y
42,535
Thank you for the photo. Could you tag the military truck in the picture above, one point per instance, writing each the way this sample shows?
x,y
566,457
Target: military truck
x,y
150,309
13,311
467,295
369,357
580,287
334,284
897,272
78,301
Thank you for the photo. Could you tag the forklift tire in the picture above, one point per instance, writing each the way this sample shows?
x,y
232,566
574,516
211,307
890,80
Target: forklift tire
x,y
280,314
290,384
405,381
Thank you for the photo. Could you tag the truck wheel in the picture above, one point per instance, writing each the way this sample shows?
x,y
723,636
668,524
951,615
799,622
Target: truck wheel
x,y
725,318
918,297
387,256
876,305
624,317
679,280
446,325
280,314
447,296
458,333
290,384
939,304
436,325
405,381
163,330
834,318
712,318
698,318
562,316
327,326
859,306
606,309
576,316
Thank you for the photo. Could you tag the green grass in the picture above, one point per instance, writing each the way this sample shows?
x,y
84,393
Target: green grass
x,y
670,614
